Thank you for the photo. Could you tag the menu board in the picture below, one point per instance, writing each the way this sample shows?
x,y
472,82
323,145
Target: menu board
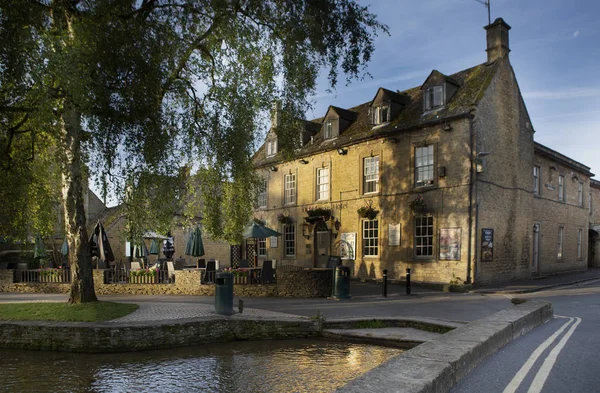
x,y
487,245
450,244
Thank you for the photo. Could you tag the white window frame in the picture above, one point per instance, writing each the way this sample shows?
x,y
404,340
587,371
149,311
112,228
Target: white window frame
x,y
371,175
580,194
381,114
370,238
322,184
561,188
560,245
289,240
423,241
434,97
261,247
328,133
289,189
536,180
262,195
271,147
424,165
579,243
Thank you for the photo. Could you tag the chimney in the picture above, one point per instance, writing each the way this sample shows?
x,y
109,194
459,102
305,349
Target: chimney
x,y
276,114
497,40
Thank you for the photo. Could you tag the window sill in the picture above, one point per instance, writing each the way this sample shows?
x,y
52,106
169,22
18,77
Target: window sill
x,y
371,256
371,193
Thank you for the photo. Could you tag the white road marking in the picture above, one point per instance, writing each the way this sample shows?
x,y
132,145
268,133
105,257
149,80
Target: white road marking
x,y
522,373
544,371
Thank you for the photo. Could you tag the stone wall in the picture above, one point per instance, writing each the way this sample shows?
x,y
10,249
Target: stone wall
x,y
305,283
116,337
302,284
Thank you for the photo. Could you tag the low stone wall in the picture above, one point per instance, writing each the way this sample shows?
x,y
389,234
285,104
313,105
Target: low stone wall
x,y
117,337
187,282
305,283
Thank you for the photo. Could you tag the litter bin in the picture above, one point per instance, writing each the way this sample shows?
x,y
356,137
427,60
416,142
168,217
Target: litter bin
x,y
224,293
341,282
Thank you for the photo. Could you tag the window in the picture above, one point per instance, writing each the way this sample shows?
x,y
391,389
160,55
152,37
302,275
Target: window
x,y
580,194
271,147
424,166
289,240
322,183
423,236
328,129
290,189
561,188
579,241
370,239
262,247
262,194
371,175
561,231
434,97
536,180
380,114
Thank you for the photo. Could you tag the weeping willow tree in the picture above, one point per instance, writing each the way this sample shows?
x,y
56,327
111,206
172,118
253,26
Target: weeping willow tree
x,y
136,89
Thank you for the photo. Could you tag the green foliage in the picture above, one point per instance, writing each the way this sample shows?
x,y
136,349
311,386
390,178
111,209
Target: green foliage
x,y
87,312
152,86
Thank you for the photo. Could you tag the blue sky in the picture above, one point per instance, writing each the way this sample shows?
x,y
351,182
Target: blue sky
x,y
555,52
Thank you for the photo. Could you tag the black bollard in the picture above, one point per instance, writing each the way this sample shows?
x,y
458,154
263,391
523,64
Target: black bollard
x,y
408,281
384,283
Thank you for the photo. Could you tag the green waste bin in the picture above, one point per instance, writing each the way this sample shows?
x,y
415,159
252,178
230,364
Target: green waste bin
x,y
224,293
341,282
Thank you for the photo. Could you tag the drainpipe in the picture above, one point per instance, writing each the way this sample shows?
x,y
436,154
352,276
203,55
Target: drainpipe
x,y
471,183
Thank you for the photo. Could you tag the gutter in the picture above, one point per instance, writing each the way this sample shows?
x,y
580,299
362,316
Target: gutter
x,y
471,176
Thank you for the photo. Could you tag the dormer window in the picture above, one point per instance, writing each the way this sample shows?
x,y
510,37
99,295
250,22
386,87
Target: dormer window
x,y
328,129
380,114
271,147
434,97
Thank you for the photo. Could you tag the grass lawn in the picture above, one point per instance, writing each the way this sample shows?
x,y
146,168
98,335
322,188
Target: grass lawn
x,y
85,312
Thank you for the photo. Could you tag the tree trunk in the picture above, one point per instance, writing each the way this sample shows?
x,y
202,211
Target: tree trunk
x,y
80,258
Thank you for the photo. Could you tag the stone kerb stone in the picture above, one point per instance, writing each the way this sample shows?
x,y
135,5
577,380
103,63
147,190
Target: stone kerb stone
x,y
437,365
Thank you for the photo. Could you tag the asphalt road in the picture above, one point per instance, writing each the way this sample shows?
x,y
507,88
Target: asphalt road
x,y
561,356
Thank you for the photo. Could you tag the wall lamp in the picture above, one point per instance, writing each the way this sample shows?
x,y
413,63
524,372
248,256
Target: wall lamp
x,y
479,162
273,168
341,151
303,161
446,127
306,230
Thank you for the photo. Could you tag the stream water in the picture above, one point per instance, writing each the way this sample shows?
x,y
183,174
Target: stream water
x,y
258,366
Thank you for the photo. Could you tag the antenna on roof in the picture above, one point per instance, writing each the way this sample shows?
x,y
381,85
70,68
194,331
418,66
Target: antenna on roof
x,y
486,3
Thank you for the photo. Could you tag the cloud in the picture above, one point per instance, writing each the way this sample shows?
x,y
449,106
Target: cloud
x,y
576,33
562,94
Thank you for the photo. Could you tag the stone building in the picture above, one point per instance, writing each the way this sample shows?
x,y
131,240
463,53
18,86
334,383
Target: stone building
x,y
594,231
451,170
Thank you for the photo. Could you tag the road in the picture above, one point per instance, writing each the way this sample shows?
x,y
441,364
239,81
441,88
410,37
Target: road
x,y
561,356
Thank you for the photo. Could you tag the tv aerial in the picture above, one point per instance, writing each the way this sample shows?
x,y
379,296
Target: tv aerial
x,y
486,3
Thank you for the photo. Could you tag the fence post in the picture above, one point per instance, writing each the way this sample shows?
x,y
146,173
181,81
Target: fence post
x,y
408,281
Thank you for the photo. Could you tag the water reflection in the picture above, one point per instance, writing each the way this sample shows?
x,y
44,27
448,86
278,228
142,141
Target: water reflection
x,y
266,366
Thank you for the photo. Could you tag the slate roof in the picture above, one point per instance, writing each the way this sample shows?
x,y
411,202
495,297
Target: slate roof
x,y
472,81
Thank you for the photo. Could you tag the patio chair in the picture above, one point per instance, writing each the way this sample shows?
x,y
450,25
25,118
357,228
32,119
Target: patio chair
x,y
135,266
266,274
179,263
170,270
244,263
202,263
209,274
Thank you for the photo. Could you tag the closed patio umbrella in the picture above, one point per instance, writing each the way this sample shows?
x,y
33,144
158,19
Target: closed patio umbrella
x,y
100,246
64,249
197,246
39,250
168,246
154,247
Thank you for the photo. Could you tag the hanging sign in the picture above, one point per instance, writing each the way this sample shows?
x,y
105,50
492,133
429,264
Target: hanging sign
x,y
450,244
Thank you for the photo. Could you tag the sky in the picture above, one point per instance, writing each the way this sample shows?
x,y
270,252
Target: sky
x,y
555,53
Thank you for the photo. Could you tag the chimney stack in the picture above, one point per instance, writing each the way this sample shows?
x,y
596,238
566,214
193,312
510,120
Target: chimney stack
x,y
497,40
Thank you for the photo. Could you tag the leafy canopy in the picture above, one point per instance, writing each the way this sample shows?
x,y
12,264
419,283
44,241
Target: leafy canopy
x,y
163,84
